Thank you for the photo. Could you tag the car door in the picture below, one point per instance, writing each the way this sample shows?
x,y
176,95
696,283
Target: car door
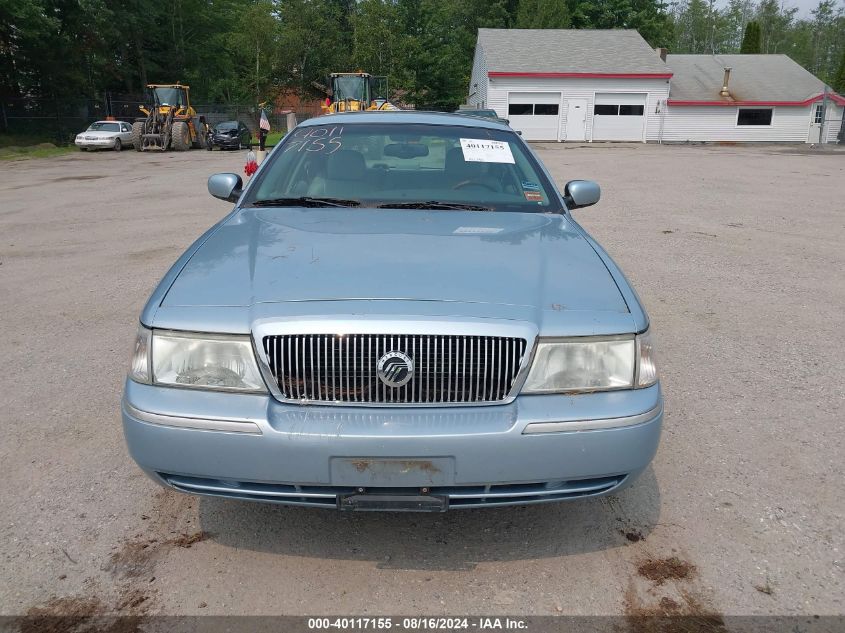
x,y
125,133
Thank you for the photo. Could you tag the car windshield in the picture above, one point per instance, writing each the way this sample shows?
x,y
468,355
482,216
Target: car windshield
x,y
104,126
229,125
404,166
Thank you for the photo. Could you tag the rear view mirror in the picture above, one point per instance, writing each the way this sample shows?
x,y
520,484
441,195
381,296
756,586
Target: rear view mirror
x,y
228,187
581,193
405,150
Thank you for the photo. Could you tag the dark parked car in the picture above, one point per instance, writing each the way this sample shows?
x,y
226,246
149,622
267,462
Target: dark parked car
x,y
230,135
484,114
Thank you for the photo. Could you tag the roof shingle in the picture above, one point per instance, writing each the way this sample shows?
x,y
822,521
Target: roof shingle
x,y
581,51
753,78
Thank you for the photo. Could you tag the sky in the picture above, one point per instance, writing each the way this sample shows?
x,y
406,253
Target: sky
x,y
804,6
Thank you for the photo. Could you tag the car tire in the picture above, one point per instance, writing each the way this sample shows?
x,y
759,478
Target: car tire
x,y
83,149
202,137
181,140
117,145
136,135
209,146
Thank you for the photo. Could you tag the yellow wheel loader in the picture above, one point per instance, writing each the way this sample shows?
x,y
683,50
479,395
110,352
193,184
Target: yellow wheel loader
x,y
352,92
169,121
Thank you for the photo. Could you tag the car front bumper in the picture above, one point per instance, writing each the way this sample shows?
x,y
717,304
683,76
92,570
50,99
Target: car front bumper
x,y
227,142
96,143
535,449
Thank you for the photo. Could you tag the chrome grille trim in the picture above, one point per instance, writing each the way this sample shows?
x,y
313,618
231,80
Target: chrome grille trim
x,y
449,369
460,496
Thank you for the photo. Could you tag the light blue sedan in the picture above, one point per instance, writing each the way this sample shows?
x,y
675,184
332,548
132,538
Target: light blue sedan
x,y
399,313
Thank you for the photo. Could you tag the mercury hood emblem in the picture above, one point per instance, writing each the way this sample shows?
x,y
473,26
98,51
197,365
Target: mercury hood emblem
x,y
395,369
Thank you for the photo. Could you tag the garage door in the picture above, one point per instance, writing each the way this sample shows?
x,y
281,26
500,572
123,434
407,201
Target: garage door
x,y
618,116
535,114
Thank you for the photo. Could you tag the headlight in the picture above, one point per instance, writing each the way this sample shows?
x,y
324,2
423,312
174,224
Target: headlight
x,y
592,364
588,365
201,361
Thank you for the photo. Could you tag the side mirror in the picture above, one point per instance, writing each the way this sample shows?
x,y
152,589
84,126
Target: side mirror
x,y
581,193
228,187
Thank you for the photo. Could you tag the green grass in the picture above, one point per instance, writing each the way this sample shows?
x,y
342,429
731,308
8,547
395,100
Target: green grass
x,y
18,146
273,138
23,140
34,151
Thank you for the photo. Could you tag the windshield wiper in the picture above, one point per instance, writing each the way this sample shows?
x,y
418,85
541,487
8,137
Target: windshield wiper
x,y
434,204
305,201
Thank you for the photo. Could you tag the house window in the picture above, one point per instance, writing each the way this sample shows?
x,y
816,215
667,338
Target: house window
x,y
545,108
532,108
631,110
754,116
606,110
817,116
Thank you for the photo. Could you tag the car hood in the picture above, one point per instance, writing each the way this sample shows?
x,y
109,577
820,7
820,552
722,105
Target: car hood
x,y
291,254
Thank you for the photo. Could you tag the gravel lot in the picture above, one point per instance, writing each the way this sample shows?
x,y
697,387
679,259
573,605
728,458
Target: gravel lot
x,y
738,254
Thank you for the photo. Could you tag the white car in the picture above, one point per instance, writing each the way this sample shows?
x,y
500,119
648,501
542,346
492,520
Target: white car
x,y
105,135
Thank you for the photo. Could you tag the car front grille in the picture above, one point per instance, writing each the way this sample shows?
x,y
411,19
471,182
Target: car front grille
x,y
445,369
468,496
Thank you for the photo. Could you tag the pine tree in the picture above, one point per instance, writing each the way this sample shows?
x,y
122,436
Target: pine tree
x,y
542,14
751,41
838,82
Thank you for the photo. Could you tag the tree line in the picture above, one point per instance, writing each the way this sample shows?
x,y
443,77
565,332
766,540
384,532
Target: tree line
x,y
817,41
248,51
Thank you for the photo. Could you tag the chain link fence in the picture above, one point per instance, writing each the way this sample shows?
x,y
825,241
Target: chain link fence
x,y
60,121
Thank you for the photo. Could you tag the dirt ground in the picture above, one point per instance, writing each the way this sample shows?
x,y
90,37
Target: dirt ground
x,y
738,254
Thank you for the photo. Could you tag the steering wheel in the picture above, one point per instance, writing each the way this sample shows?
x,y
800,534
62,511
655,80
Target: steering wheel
x,y
475,183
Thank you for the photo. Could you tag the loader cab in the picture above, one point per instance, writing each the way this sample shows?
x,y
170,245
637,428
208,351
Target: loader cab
x,y
351,88
169,96
350,92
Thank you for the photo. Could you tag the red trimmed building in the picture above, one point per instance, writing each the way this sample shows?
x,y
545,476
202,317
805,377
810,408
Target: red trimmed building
x,y
748,98
571,85
609,85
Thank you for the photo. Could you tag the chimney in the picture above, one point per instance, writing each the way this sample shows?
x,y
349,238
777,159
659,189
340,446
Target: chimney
x,y
724,92
662,52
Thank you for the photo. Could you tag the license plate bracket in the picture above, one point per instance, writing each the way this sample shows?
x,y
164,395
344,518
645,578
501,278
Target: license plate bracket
x,y
363,502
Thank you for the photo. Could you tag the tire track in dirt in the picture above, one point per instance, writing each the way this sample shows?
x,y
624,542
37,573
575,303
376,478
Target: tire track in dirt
x,y
169,524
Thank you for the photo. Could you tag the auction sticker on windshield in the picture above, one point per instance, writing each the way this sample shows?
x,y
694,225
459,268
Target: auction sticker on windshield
x,y
477,150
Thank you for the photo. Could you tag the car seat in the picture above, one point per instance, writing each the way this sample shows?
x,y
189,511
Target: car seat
x,y
346,171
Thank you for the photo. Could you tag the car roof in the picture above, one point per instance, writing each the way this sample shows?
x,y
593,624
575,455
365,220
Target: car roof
x,y
405,117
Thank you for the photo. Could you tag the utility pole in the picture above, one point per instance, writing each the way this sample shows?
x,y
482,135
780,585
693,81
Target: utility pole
x,y
822,133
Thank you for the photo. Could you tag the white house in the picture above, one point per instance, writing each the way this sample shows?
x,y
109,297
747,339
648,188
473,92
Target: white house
x,y
571,85
748,98
609,85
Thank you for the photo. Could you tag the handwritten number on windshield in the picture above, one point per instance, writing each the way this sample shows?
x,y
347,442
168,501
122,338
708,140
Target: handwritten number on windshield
x,y
318,139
